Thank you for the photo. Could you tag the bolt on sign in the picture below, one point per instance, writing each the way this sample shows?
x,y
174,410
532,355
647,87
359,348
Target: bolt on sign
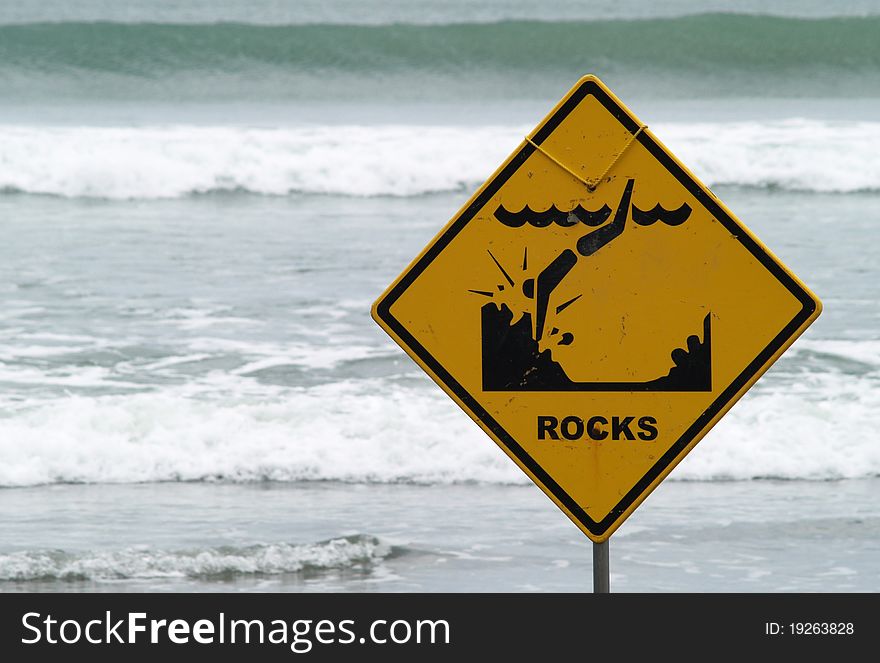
x,y
595,308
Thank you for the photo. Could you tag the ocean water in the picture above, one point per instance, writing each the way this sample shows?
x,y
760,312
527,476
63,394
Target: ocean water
x,y
200,201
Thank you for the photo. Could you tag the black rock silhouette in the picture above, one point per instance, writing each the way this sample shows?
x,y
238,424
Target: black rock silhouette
x,y
512,360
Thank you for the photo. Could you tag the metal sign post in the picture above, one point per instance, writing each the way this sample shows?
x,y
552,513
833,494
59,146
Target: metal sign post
x,y
601,571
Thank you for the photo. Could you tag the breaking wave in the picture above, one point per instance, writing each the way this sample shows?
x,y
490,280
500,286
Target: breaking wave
x,y
225,562
807,419
721,53
399,160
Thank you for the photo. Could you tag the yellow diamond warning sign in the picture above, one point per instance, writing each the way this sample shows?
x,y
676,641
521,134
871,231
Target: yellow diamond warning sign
x,y
595,308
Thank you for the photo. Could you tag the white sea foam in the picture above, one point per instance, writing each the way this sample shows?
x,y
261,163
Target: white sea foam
x,y
795,435
398,160
144,562
340,431
797,154
863,351
809,425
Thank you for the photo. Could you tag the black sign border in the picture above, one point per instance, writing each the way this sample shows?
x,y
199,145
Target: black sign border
x,y
809,306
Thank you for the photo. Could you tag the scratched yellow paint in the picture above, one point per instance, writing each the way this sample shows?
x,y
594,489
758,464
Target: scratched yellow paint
x,y
611,323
